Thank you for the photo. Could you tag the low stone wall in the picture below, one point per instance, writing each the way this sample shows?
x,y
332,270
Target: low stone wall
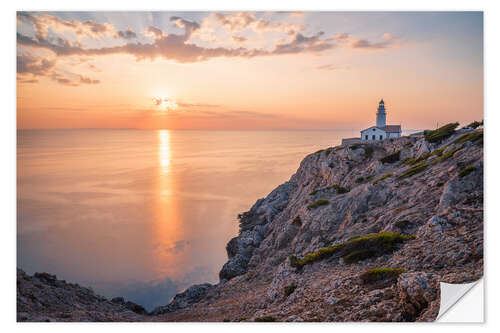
x,y
350,141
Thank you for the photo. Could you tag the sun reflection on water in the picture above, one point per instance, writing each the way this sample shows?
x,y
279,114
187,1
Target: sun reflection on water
x,y
164,150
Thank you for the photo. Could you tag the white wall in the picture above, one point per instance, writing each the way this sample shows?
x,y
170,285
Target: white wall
x,y
379,134
394,135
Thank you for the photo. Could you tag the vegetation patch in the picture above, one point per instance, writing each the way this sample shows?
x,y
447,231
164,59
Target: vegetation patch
x,y
475,124
354,147
359,180
473,137
328,151
317,203
290,289
402,224
358,256
381,274
265,319
465,171
391,158
339,189
368,151
441,133
387,175
447,155
414,170
313,192
355,248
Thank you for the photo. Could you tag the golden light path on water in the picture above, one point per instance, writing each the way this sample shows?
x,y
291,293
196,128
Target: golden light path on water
x,y
164,150
168,229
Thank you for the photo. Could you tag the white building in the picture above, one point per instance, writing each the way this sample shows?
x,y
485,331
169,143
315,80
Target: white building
x,y
381,131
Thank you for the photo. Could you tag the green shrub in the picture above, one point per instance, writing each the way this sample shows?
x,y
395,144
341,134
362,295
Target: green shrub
x,y
402,224
319,202
439,152
381,273
387,175
290,289
328,151
225,320
354,147
368,151
319,152
447,155
408,160
414,170
339,189
441,133
359,180
474,136
391,158
313,192
475,124
357,256
465,171
265,319
355,248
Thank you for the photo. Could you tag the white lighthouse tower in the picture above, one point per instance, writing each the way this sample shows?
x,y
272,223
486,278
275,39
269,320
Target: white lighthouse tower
x,y
381,114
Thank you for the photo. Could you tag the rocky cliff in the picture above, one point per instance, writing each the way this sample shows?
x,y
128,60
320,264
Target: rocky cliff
x,y
359,233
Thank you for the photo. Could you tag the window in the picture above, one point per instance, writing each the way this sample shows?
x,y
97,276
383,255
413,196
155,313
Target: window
x,y
373,137
366,137
381,137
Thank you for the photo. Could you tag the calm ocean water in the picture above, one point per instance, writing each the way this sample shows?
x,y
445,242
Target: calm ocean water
x,y
144,214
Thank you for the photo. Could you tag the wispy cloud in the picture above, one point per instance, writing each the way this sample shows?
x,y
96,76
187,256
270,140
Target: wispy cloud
x,y
332,67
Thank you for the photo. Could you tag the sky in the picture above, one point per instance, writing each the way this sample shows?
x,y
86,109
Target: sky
x,y
248,70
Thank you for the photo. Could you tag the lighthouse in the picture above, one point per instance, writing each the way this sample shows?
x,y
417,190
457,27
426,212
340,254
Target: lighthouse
x,y
381,114
381,131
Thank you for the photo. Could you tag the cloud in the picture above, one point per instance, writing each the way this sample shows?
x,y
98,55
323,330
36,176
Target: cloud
x,y
388,41
239,39
42,23
29,68
153,32
27,64
87,80
191,105
237,22
332,67
180,48
127,34
188,26
301,43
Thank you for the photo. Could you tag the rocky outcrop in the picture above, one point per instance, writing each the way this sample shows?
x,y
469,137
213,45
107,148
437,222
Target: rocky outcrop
x,y
253,228
419,296
347,191
189,297
43,297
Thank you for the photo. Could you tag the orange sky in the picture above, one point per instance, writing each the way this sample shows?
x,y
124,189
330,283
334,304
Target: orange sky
x,y
247,70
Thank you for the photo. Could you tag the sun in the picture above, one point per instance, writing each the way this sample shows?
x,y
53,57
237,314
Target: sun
x,y
165,103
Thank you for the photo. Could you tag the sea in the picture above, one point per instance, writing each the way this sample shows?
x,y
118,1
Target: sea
x,y
145,213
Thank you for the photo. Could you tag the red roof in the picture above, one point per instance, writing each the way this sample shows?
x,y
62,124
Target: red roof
x,y
391,128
